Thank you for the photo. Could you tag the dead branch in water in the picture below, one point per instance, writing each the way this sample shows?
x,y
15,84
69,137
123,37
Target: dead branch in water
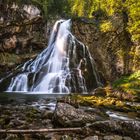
x,y
40,130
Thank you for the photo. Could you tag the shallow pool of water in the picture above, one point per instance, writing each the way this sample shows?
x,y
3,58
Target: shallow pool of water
x,y
6,97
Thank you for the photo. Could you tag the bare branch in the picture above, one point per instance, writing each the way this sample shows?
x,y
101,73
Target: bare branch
x,y
27,131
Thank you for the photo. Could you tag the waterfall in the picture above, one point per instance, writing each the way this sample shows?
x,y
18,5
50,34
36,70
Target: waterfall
x,y
63,67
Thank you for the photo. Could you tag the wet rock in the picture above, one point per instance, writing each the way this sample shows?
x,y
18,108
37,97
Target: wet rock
x,y
51,136
100,112
127,138
67,115
119,94
92,138
47,123
47,114
11,137
115,137
66,137
24,117
127,128
99,92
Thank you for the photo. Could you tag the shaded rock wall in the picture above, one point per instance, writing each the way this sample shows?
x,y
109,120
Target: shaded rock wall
x,y
110,46
21,34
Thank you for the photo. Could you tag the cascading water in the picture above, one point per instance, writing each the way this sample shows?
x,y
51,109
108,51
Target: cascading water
x,y
63,67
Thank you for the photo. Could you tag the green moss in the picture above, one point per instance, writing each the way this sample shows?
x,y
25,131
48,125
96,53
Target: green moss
x,y
11,59
106,26
8,58
129,84
31,114
104,102
2,121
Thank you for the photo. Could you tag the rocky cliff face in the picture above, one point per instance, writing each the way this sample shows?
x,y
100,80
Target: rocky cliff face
x,y
23,34
108,44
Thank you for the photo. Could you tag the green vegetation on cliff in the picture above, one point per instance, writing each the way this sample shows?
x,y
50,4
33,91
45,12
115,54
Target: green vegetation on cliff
x,y
129,84
95,9
90,8
133,9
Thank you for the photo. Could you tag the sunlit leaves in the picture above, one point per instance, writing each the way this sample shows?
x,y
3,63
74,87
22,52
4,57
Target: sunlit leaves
x,y
133,8
106,26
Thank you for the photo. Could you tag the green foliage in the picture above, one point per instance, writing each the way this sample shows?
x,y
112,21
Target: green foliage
x,y
133,8
129,84
87,7
106,26
112,6
91,9
53,7
78,8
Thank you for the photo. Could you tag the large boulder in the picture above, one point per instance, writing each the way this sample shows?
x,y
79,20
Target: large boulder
x,y
67,115
123,128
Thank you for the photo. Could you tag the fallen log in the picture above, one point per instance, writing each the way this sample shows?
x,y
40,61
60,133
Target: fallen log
x,y
28,131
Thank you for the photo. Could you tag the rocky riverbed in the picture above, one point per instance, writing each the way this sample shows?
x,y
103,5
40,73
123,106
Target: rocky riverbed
x,y
95,123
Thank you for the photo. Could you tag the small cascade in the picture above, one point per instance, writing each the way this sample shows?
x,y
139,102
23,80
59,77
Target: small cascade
x,y
21,82
65,66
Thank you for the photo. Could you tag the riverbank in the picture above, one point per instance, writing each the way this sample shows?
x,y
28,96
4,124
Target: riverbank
x,y
96,121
